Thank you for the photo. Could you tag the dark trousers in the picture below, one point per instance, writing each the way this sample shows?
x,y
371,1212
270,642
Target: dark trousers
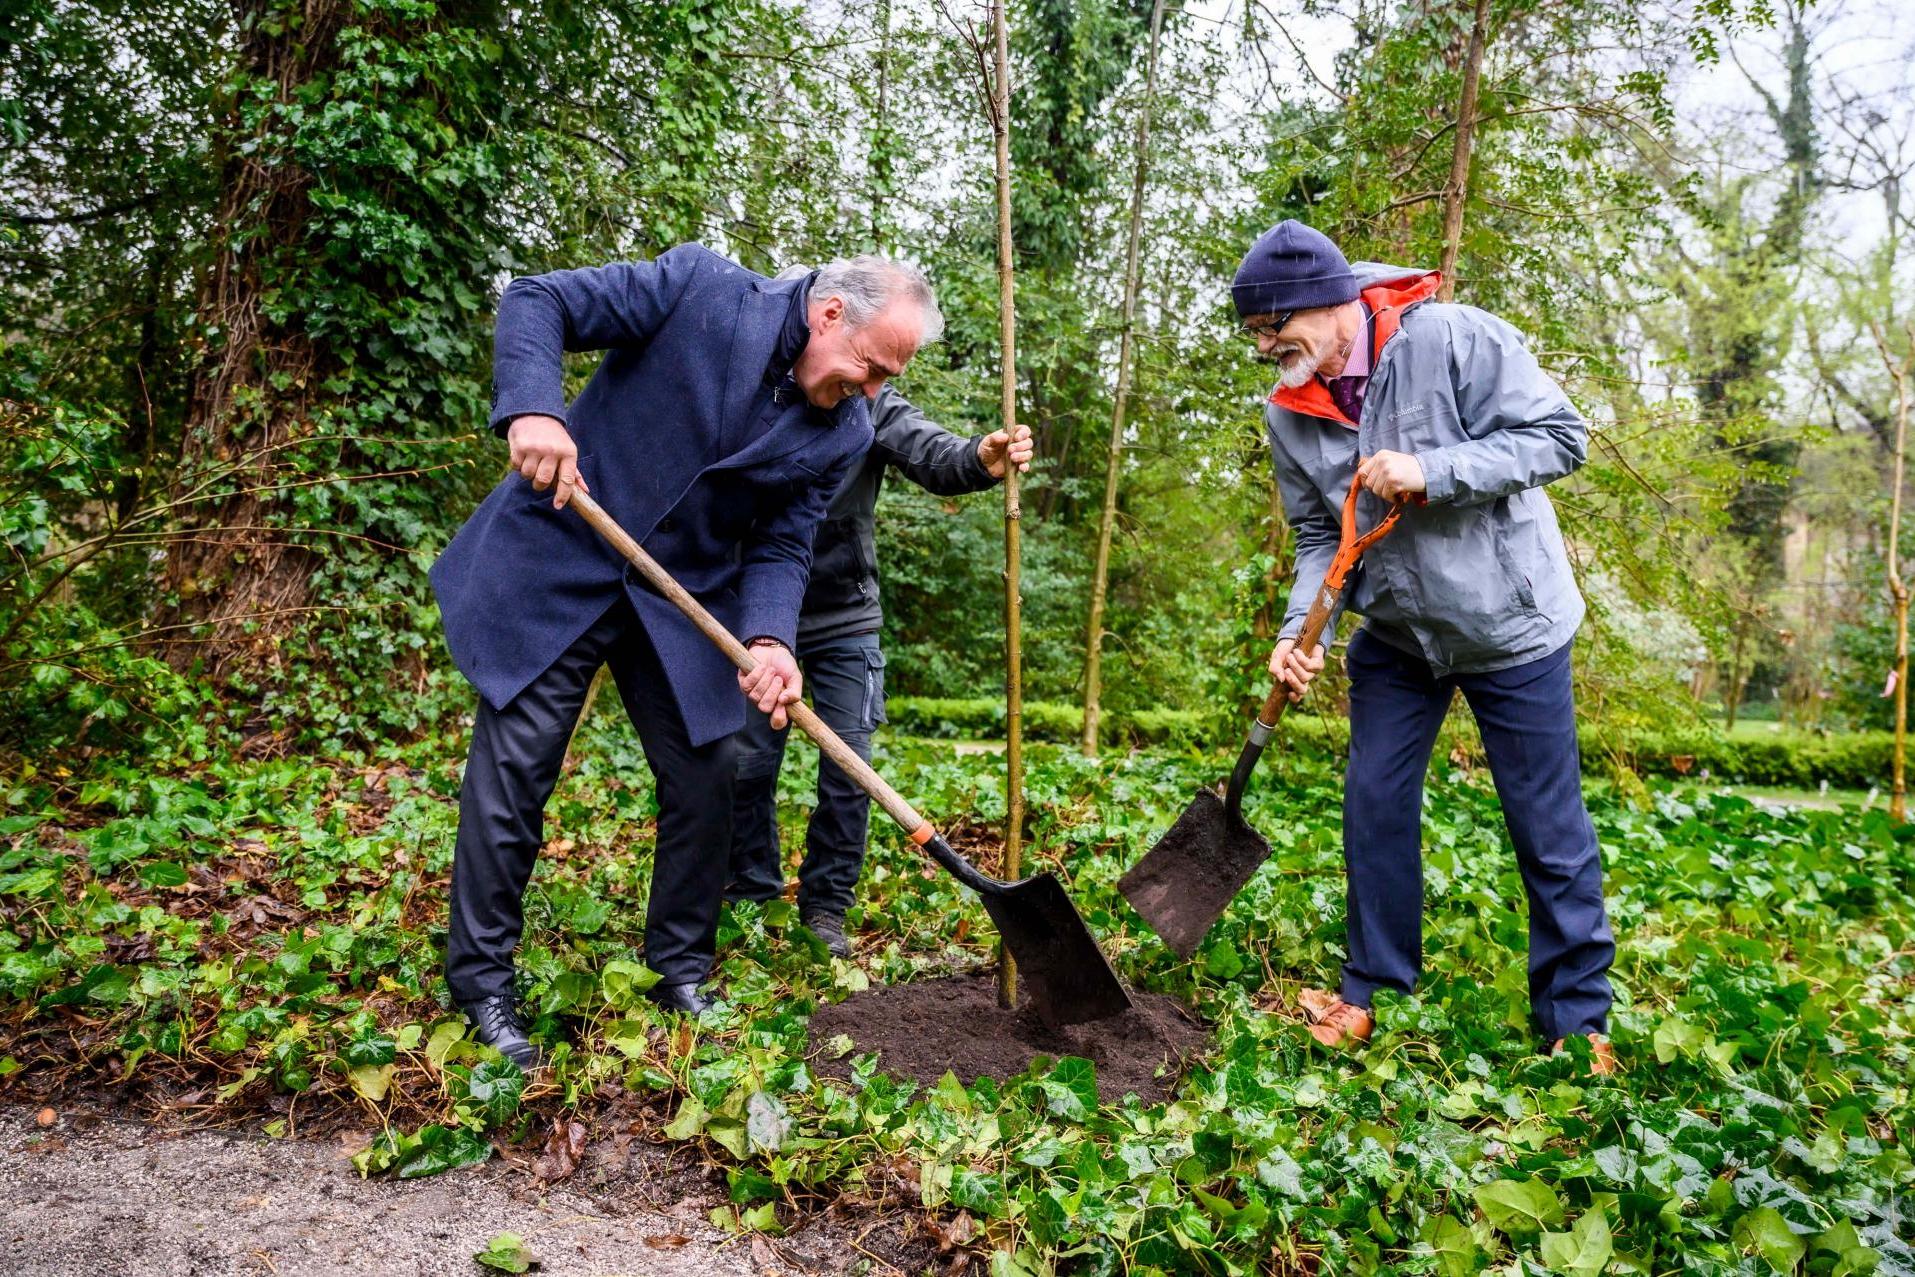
x,y
846,681
1527,718
509,774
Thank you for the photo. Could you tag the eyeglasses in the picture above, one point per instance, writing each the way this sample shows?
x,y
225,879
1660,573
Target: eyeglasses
x,y
1257,332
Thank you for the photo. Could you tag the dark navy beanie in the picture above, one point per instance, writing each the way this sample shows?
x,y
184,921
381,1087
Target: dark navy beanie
x,y
1291,267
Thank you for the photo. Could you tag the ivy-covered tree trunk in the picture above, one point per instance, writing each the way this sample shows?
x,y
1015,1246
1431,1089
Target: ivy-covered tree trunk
x,y
235,587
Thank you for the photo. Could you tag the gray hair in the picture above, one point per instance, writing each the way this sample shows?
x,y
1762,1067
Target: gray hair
x,y
868,283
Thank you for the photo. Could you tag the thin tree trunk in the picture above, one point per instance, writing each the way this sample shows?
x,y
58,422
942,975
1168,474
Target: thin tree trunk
x,y
1458,187
1735,672
1113,464
1013,509
1899,372
881,165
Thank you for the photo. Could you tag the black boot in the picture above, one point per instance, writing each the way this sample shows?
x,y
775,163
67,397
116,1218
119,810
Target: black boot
x,y
498,1024
828,927
680,997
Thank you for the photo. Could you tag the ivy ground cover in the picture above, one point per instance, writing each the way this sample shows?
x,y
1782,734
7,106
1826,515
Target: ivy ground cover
x,y
261,939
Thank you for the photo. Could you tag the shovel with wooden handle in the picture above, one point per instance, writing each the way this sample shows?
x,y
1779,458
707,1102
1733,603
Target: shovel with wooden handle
x,y
1185,882
1067,976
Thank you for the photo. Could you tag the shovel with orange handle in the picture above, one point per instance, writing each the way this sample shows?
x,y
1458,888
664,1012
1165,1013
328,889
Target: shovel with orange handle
x,y
1185,882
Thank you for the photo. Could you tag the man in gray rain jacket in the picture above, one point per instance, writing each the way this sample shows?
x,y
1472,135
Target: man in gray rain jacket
x,y
1442,406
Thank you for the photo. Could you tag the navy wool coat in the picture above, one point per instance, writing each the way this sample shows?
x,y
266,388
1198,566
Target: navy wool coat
x,y
681,442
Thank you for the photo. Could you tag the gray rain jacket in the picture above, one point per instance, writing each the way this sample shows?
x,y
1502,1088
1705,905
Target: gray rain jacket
x,y
842,597
1478,579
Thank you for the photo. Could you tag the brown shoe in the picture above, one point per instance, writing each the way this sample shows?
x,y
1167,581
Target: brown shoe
x,y
1602,1056
1333,1021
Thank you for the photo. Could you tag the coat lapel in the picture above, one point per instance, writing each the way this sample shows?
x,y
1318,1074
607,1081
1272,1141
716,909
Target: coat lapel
x,y
761,314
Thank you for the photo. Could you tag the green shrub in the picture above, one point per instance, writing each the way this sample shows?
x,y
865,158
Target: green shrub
x,y
1851,760
953,717
1848,760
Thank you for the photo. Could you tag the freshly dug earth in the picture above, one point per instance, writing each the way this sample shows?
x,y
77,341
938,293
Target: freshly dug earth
x,y
922,1029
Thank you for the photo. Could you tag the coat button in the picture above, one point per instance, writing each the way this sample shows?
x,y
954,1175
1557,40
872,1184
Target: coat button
x,y
667,524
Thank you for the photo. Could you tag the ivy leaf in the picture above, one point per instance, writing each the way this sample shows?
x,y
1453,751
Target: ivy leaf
x,y
762,1219
766,1122
625,982
443,1037
1070,1091
1519,1207
1280,1171
689,1121
163,873
1583,1250
981,1194
494,1087
371,1080
1766,1233
506,1253
1675,1038
1450,1240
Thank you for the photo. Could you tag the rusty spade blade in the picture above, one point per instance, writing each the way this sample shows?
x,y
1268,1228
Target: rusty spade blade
x,y
1185,882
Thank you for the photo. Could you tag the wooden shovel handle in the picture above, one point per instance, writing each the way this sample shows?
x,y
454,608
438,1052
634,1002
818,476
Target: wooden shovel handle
x,y
807,720
1314,623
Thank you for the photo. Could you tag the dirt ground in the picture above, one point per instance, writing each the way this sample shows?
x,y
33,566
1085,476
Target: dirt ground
x,y
922,1028
93,1195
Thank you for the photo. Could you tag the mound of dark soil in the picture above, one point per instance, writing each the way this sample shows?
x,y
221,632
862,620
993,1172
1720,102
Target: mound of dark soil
x,y
922,1029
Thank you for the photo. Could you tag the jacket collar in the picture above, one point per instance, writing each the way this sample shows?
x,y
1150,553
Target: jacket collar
x,y
1388,300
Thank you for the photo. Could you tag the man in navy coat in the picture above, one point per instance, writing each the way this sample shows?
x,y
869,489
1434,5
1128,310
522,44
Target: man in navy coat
x,y
725,412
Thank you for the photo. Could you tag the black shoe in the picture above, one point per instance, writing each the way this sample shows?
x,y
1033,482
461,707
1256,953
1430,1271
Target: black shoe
x,y
498,1024
680,997
829,927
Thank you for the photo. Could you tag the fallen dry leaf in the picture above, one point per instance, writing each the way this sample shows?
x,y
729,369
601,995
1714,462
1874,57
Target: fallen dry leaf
x,y
563,1149
954,1235
666,1241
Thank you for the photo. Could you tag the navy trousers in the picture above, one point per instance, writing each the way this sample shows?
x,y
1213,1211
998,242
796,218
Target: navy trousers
x,y
846,680
510,773
1527,718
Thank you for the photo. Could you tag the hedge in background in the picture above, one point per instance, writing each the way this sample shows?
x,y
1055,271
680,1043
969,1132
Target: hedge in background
x,y
982,717
1850,760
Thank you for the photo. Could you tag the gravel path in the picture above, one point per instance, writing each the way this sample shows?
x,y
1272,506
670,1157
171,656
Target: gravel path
x,y
97,1195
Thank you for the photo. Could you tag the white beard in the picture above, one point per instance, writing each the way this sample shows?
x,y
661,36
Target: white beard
x,y
1298,373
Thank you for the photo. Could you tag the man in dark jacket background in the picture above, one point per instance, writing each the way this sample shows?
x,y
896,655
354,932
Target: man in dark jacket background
x,y
728,407
844,665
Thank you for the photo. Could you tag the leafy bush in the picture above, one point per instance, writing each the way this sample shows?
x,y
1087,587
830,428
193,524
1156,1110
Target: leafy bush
x,y
982,717
1848,760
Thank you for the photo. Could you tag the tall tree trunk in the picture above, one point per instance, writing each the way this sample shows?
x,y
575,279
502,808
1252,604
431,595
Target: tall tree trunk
x,y
881,157
1013,510
257,380
1457,189
1742,624
1899,372
1114,462
1745,340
